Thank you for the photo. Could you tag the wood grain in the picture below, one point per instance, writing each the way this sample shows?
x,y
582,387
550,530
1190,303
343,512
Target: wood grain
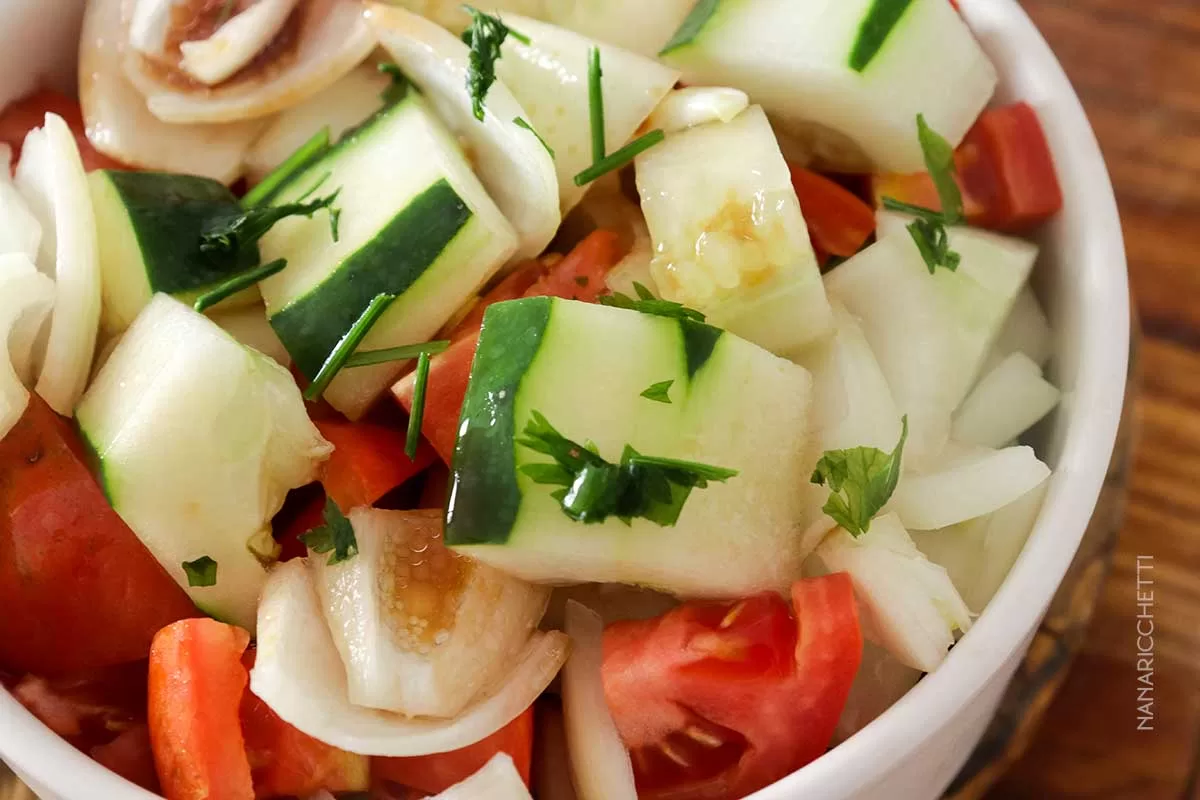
x,y
1136,65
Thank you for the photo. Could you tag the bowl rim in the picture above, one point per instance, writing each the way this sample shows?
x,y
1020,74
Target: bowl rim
x,y
48,762
1001,632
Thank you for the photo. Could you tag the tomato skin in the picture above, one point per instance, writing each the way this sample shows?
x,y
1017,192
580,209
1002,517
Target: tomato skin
x,y
195,692
838,221
717,700
437,773
368,461
29,112
57,530
580,275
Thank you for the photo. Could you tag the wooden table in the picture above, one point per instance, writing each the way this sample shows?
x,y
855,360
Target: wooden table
x,y
1136,65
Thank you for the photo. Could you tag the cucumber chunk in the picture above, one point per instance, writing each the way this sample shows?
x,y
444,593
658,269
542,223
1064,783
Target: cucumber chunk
x,y
150,225
585,367
859,70
415,223
198,440
729,235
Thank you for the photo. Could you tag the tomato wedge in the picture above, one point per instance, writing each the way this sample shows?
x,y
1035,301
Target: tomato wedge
x,y
437,773
196,685
90,595
838,221
1005,171
579,276
717,700
22,116
368,461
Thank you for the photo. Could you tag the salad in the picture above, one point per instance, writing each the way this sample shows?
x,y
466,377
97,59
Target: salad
x,y
599,400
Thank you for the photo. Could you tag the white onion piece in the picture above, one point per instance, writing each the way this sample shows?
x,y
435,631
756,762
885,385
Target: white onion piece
x,y
41,39
513,166
612,601
51,177
1007,401
880,681
498,779
697,105
966,490
1026,330
120,126
236,43
299,674
331,40
20,232
249,326
599,760
25,295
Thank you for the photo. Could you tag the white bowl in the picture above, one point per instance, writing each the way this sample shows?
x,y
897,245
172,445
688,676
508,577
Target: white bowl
x,y
912,751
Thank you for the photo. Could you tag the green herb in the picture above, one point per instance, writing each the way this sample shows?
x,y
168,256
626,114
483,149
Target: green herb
x,y
225,13
620,158
398,88
861,481
647,303
335,537
417,413
593,489
695,21
484,36
347,345
237,283
201,572
596,105
928,230
306,154
521,123
658,392
226,235
369,357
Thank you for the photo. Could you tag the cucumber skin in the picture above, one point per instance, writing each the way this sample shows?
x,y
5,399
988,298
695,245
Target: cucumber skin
x,y
877,26
167,214
311,326
488,499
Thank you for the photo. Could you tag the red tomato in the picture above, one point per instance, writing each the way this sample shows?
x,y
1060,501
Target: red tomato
x,y
838,221
287,763
196,686
717,700
580,275
368,461
129,755
1005,171
58,531
437,773
30,112
445,391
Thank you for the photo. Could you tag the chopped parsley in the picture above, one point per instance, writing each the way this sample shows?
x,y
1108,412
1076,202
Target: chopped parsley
x,y
225,235
658,392
369,357
593,489
201,572
928,230
861,481
647,303
237,283
484,36
521,123
335,537
620,158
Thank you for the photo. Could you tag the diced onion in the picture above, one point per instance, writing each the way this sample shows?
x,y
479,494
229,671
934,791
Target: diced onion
x,y
498,779
299,674
1006,402
20,231
697,105
51,177
25,297
599,760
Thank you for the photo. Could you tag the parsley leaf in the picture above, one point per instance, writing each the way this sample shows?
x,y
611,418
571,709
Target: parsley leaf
x,y
861,481
647,303
201,572
658,392
225,235
336,536
484,36
398,88
521,123
939,160
593,489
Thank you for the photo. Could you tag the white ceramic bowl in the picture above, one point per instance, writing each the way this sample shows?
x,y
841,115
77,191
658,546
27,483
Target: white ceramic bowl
x,y
914,750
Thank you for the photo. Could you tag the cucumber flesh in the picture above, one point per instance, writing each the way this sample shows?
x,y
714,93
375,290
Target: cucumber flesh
x,y
198,440
1008,401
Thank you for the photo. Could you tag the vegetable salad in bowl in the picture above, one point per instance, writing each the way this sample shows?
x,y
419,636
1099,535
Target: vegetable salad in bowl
x,y
392,388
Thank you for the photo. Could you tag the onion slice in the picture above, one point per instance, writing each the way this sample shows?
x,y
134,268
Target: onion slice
x,y
299,674
599,760
697,105
25,297
20,231
513,166
498,779
50,175
236,43
119,124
